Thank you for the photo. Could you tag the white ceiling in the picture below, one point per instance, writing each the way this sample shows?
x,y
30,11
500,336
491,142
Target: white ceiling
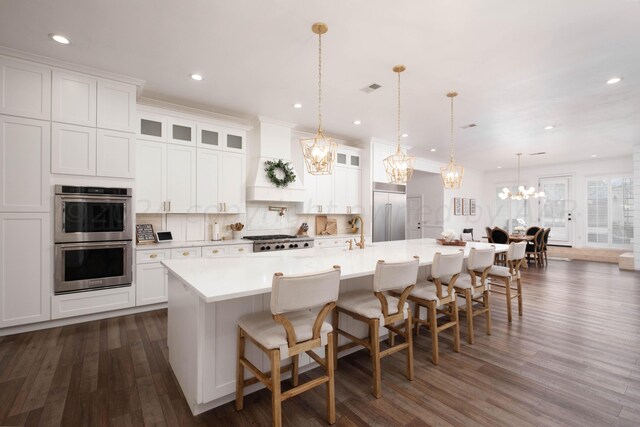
x,y
518,65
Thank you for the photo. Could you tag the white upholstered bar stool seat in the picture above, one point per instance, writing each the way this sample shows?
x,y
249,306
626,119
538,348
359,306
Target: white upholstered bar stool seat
x,y
272,335
502,278
376,308
438,298
366,304
474,290
287,330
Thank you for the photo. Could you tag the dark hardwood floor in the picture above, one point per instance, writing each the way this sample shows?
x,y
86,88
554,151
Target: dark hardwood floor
x,y
573,359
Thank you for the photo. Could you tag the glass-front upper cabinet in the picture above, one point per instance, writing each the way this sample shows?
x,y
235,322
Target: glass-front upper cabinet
x,y
209,136
234,140
348,157
182,132
152,127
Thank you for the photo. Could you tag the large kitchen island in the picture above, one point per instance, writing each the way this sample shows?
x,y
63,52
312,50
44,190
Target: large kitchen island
x,y
207,296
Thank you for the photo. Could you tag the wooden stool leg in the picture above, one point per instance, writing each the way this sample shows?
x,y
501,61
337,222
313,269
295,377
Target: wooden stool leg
x,y
240,372
295,361
469,309
391,341
416,319
408,328
374,332
331,396
519,284
456,327
487,314
432,318
507,289
276,398
335,318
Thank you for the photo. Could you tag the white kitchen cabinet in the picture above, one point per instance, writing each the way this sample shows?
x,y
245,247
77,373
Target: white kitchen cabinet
x,y
209,172
25,263
232,183
319,193
73,98
73,149
24,164
152,127
151,177
151,283
115,154
25,89
194,252
116,106
347,190
234,140
181,178
209,136
97,301
181,131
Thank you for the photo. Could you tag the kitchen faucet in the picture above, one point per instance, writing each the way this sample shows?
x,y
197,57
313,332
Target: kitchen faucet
x,y
360,244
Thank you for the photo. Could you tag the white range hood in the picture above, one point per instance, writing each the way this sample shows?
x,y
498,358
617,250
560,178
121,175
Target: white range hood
x,y
271,140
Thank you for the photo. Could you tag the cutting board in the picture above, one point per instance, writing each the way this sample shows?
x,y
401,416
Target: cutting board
x,y
326,226
321,224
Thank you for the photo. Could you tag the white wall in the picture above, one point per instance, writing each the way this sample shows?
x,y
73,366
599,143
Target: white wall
x,y
473,187
578,171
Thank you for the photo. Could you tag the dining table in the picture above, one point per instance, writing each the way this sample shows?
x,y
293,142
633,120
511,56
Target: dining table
x,y
520,238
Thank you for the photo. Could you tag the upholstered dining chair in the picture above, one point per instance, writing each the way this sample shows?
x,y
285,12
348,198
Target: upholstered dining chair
x,y
504,277
468,231
545,242
376,307
535,248
288,330
500,236
438,296
489,230
474,288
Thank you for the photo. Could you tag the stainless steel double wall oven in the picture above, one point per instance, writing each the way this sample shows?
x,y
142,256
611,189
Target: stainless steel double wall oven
x,y
92,233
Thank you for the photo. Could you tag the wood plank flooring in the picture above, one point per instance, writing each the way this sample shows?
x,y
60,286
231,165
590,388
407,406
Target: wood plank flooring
x,y
573,359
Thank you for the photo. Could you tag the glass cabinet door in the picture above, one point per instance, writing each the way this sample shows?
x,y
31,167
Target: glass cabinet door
x,y
182,132
152,127
209,136
234,140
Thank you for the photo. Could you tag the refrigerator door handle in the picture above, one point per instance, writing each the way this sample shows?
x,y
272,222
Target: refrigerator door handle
x,y
388,221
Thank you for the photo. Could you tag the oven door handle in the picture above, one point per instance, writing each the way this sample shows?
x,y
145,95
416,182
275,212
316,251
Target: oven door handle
x,y
64,210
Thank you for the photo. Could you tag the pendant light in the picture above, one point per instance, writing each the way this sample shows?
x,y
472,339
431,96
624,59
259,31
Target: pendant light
x,y
399,166
523,193
452,173
319,152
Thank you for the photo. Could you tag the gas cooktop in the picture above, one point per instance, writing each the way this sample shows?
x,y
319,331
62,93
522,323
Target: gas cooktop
x,y
276,242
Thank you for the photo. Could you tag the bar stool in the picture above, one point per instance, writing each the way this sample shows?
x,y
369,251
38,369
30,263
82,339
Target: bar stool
x,y
497,274
375,308
475,289
289,329
438,299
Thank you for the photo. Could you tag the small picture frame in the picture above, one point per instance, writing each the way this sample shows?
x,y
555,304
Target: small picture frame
x,y
472,207
457,206
164,236
145,234
465,206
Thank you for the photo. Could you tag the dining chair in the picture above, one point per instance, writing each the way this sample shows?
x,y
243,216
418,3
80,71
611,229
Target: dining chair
x,y
500,236
468,231
438,297
377,307
531,231
474,288
545,241
288,330
488,230
535,247
503,277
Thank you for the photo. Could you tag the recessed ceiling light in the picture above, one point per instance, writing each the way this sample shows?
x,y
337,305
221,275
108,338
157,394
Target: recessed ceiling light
x,y
549,127
432,150
196,77
356,122
405,135
59,38
614,80
594,155
499,167
297,105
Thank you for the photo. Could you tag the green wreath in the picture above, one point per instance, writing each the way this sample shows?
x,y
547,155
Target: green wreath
x,y
285,168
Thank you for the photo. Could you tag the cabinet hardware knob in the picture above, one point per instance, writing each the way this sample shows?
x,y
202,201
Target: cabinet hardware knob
x,y
241,249
153,256
185,253
215,251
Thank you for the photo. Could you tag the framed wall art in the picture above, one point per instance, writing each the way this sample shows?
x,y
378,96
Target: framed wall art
x,y
457,206
472,207
465,206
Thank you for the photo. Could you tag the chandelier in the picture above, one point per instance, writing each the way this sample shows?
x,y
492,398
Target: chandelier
x,y
319,152
452,173
523,193
399,166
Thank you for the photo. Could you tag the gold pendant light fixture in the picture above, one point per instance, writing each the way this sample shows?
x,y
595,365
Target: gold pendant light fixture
x,y
452,173
319,152
523,193
399,166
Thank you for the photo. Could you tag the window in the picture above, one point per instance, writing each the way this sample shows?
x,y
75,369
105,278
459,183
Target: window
x,y
509,211
610,211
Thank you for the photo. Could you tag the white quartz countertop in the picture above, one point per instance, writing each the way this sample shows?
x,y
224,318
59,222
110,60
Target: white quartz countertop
x,y
229,277
192,244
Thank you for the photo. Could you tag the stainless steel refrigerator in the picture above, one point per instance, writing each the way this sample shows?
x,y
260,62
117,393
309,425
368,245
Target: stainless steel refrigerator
x,y
389,212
